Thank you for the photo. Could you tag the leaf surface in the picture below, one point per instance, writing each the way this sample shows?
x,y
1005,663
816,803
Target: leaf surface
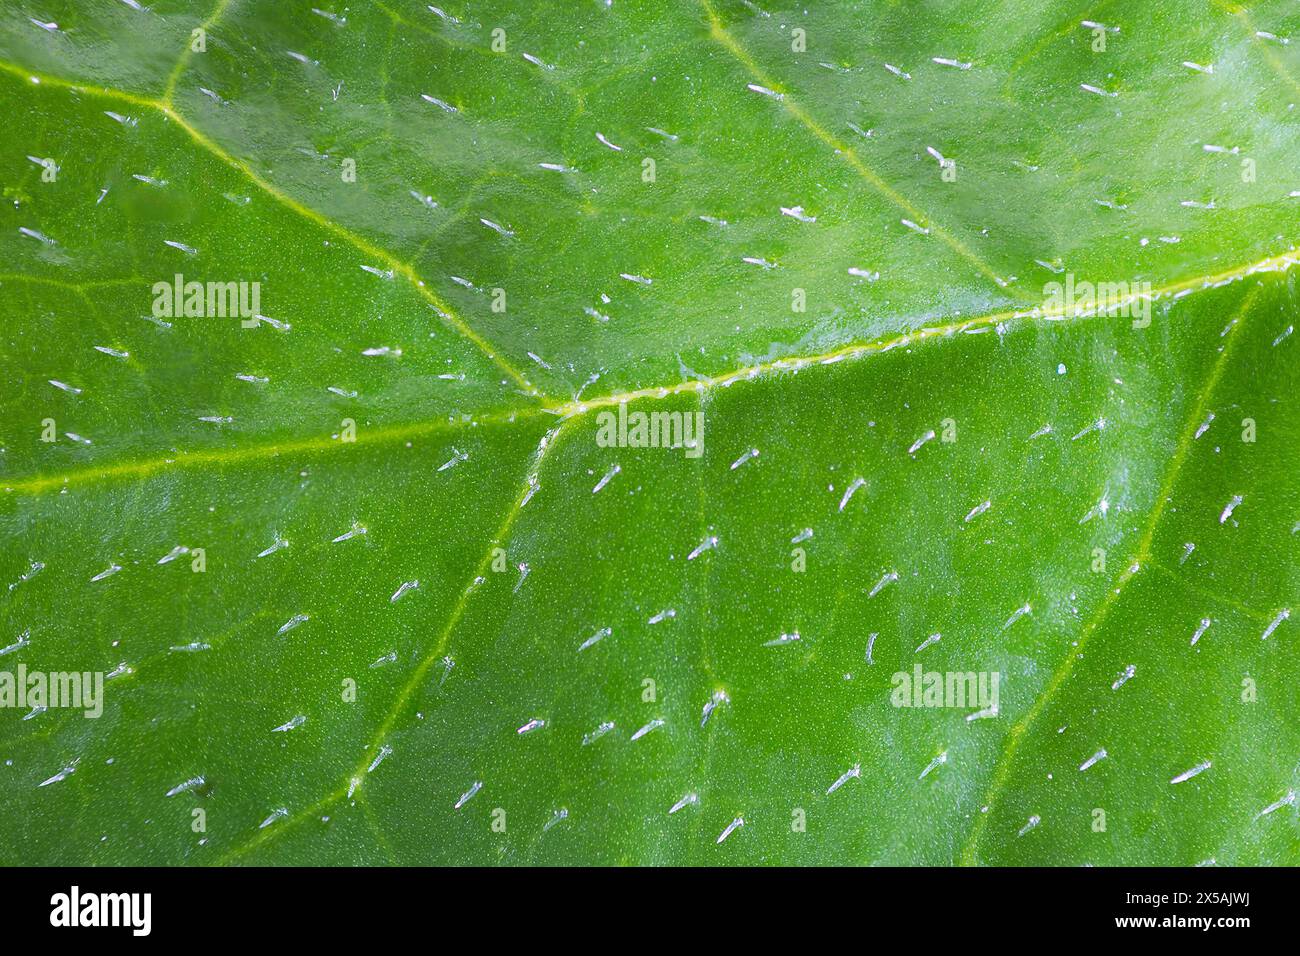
x,y
564,652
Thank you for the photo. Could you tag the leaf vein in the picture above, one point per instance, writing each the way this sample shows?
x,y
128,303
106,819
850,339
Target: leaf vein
x,y
1025,724
359,242
719,33
1279,263
356,779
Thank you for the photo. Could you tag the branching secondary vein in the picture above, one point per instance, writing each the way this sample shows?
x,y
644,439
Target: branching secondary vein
x,y
397,266
355,780
1141,558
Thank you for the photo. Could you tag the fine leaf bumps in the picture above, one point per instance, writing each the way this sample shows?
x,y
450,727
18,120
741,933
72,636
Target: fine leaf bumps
x,y
570,653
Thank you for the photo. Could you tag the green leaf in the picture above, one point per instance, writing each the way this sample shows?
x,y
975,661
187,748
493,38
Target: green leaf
x,y
565,652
